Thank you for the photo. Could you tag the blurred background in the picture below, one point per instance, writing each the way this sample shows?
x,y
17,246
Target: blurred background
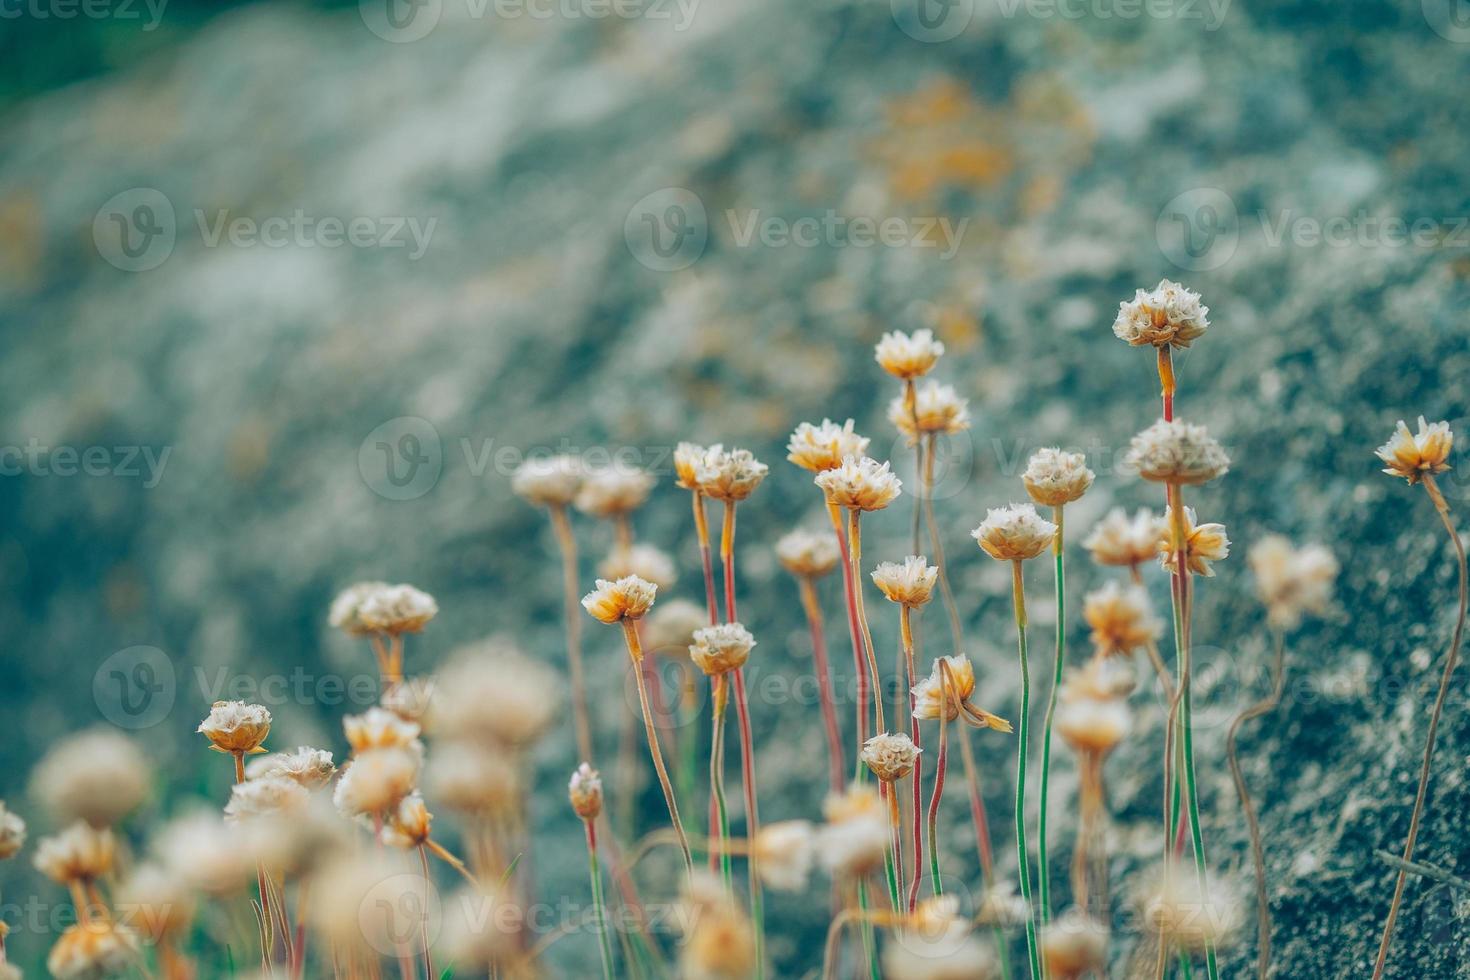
x,y
287,291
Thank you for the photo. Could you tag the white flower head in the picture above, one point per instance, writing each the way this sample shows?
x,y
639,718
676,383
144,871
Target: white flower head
x,y
613,491
627,598
825,446
1167,315
1014,533
937,409
721,649
548,481
860,483
396,609
908,584
1054,477
1176,452
810,554
1413,456
908,356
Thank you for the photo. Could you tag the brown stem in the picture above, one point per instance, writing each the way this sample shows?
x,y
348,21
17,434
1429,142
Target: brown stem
x,y
823,670
1451,659
926,487
567,543
853,629
701,530
635,650
855,550
907,636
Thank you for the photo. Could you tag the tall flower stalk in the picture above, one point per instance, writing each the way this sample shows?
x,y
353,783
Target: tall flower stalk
x,y
585,792
808,556
1417,458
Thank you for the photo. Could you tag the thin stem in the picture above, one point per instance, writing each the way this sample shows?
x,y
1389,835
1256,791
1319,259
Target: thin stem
x,y
1258,856
978,816
1044,873
940,765
926,487
1451,659
1167,385
911,403
855,549
701,529
720,696
267,943
1023,858
567,542
598,910
424,921
907,636
891,873
870,942
635,650
752,817
727,559
823,670
855,631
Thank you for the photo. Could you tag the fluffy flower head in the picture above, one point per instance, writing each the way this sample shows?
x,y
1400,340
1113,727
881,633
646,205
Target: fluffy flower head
x,y
585,791
1014,533
236,727
825,446
1054,477
860,483
613,491
810,554
908,584
548,481
1413,456
1176,452
721,649
1121,618
397,609
1167,315
1122,542
1206,543
629,597
890,757
1292,582
908,356
98,776
938,408
728,475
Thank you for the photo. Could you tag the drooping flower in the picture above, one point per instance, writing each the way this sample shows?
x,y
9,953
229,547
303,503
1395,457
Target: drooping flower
x,y
1054,477
1206,543
1167,315
1014,533
1292,582
938,408
722,648
953,676
1123,542
860,483
908,584
627,598
824,447
810,554
1176,452
1413,456
908,356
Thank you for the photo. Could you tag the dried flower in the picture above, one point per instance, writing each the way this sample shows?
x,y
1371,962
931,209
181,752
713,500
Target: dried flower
x,y
671,626
947,954
367,903
824,447
1205,543
1121,618
98,776
481,930
809,554
1014,533
1169,315
376,780
81,852
236,727
397,609
858,800
728,475
908,356
910,584
890,757
930,702
262,797
585,791
408,824
860,483
92,951
1089,724
784,854
1073,945
686,456
1187,916
938,407
378,728
1414,456
613,491
1054,477
345,613
491,691
548,481
12,833
721,649
1124,542
629,597
1176,452
854,846
156,902
412,699
1292,582
308,767
719,943
642,560
473,779
206,853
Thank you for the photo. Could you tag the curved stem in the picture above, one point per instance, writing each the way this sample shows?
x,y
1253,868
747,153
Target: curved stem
x,y
855,549
1024,725
854,630
823,671
1258,857
907,636
635,650
978,816
720,696
888,792
1044,874
940,765
1451,659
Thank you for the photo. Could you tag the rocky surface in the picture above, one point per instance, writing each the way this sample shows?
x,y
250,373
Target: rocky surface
x,y
608,259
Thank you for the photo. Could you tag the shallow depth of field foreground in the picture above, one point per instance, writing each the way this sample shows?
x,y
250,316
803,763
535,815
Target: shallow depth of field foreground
x,y
896,491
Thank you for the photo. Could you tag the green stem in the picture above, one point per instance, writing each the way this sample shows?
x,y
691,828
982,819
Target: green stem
x,y
1023,861
870,943
717,778
1051,708
598,909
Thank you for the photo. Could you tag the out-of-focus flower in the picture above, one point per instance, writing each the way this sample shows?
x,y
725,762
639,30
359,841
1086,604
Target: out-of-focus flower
x,y
473,779
98,776
376,780
1074,945
784,854
824,447
809,554
613,491
396,609
719,943
268,795
1167,315
1121,618
491,691
627,598
939,409
80,853
1176,452
728,475
345,611
1413,456
408,824
93,950
1190,918
548,481
671,626
12,833
1291,581
1206,543
643,560
1014,533
411,699
309,767
236,727
379,728
1090,724
1124,542
155,902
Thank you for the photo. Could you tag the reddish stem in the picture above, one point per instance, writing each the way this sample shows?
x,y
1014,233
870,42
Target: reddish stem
x,y
859,660
824,681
